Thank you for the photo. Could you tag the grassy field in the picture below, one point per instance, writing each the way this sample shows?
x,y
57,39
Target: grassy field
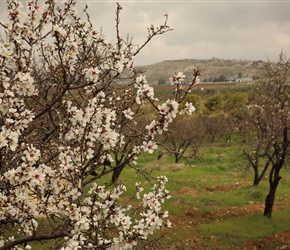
x,y
214,204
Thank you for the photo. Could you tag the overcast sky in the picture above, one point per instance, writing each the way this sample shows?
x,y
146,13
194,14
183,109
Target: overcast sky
x,y
250,30
203,29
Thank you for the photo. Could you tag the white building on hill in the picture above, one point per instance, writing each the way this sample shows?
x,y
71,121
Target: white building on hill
x,y
244,79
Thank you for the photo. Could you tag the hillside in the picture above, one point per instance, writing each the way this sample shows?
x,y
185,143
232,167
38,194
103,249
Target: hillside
x,y
211,69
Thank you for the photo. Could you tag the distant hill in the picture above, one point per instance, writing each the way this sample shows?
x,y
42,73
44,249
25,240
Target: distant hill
x,y
211,69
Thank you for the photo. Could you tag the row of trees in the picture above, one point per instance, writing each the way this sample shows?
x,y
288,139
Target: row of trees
x,y
226,102
213,102
261,117
186,135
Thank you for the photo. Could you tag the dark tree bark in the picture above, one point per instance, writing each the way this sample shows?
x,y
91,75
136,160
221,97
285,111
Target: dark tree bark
x,y
116,174
274,179
121,163
271,198
258,177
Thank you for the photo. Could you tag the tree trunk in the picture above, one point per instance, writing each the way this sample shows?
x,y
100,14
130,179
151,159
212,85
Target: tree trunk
x,y
256,177
160,154
116,174
176,156
271,197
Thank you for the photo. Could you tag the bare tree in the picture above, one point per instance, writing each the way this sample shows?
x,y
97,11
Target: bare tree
x,y
184,138
218,126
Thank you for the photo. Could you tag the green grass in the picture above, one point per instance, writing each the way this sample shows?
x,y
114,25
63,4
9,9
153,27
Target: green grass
x,y
235,231
219,182
202,190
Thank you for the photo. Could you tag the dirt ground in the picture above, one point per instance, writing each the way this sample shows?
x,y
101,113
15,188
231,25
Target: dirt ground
x,y
193,217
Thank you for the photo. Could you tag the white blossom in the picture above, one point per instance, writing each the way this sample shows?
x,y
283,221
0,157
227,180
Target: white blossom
x,y
188,109
128,113
149,146
177,78
92,74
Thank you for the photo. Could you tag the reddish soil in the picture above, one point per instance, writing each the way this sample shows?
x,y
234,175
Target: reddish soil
x,y
197,86
193,217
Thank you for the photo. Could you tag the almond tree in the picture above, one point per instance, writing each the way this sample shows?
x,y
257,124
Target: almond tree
x,y
266,128
69,99
184,138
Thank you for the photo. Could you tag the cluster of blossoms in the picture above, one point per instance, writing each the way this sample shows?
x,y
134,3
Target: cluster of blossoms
x,y
167,110
92,74
13,111
177,78
93,125
102,204
144,91
188,109
65,121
